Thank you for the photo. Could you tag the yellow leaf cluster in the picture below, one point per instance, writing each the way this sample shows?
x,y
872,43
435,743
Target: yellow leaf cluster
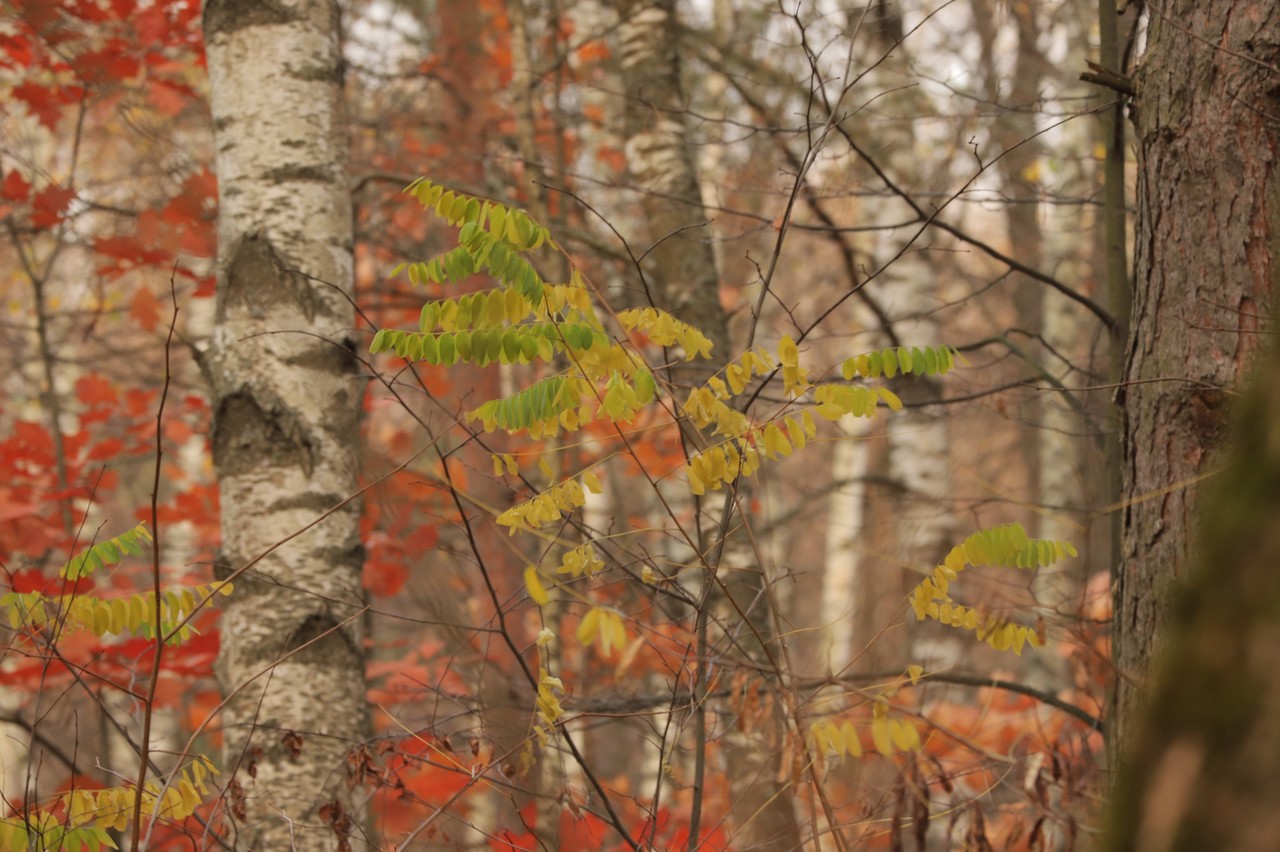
x,y
830,735
890,735
665,330
571,301
723,463
795,379
740,370
87,815
605,624
713,467
504,463
545,508
549,709
579,561
705,409
621,401
835,401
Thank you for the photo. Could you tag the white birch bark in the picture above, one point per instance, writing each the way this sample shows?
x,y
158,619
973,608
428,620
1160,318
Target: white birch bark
x,y
286,400
918,440
845,514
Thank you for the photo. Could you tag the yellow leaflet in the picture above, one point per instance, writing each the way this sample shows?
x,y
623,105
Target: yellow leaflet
x,y
592,482
775,443
612,632
904,735
788,354
737,377
914,672
696,485
795,431
588,626
881,737
533,584
850,739
824,735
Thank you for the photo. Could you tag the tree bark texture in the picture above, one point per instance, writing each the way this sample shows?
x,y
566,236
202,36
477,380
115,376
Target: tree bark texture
x,y
1203,775
661,160
286,400
1205,264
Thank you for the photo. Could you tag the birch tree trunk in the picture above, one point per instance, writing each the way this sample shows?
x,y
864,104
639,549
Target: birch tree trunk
x,y
919,442
1208,202
286,401
662,163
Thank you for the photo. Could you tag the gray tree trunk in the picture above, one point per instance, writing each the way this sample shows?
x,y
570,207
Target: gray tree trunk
x,y
1205,262
662,162
286,401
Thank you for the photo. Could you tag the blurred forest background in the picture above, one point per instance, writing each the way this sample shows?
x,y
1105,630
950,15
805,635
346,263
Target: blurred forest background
x,y
740,672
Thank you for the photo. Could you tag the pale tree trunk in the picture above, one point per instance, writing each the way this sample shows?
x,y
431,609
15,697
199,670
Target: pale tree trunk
x,y
843,609
1065,424
684,281
918,441
1051,445
1208,201
286,401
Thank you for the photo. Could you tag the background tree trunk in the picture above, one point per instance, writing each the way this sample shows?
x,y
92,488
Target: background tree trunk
x,y
1208,197
286,397
661,159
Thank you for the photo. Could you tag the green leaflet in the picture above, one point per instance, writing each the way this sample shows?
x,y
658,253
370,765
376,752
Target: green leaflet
x,y
507,345
107,552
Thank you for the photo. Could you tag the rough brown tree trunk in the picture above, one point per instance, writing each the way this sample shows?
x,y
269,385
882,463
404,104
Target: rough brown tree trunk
x,y
1205,262
1204,773
286,401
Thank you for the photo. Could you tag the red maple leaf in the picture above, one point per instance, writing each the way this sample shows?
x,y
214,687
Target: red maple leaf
x,y
49,205
15,186
45,103
145,309
94,390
